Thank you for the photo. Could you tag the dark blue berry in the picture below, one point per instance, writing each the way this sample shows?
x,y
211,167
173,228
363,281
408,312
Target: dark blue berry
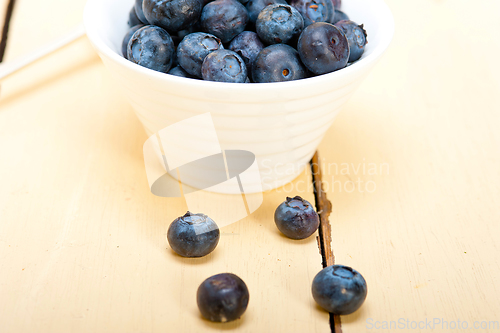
x,y
296,218
279,24
356,36
277,63
172,15
314,10
193,235
151,47
222,297
323,48
178,71
247,45
255,6
133,20
337,3
224,66
339,16
339,289
224,19
139,12
193,49
127,37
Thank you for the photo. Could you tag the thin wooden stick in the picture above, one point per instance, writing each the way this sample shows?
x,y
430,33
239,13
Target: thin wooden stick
x,y
10,67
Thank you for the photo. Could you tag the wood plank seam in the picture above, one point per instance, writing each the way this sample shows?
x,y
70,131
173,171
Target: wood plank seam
x,y
5,29
324,208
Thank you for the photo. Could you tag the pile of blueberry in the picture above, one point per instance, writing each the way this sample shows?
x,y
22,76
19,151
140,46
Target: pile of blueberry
x,y
242,40
224,297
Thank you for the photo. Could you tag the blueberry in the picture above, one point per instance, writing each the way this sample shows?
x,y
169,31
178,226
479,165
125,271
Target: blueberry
x,y
139,12
193,49
279,24
127,37
178,71
339,16
255,6
193,235
337,3
151,47
172,15
314,10
323,48
133,20
339,289
356,36
222,297
277,63
224,66
296,218
247,45
224,19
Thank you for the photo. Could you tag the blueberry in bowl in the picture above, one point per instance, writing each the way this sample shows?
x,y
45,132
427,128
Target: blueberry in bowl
x,y
296,218
248,45
178,71
254,7
193,235
339,289
172,15
139,12
279,23
193,49
339,16
314,10
133,19
323,48
222,297
224,66
151,47
278,63
224,19
249,116
127,37
356,36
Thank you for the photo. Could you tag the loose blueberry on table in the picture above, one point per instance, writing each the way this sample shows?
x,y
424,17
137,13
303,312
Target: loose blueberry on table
x,y
296,218
339,289
193,235
222,297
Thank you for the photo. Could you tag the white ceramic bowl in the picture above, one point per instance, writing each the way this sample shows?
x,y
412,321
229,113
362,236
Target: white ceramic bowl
x,y
281,123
